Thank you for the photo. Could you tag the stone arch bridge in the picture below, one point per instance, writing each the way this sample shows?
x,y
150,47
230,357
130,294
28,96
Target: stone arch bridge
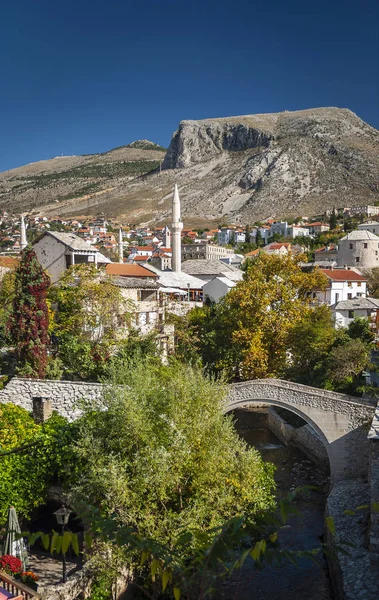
x,y
340,421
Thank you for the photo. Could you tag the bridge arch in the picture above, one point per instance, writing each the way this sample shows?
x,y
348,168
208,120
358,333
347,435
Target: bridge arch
x,y
339,420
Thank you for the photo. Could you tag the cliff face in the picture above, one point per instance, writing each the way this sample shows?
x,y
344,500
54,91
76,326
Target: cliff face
x,y
228,169
198,141
280,164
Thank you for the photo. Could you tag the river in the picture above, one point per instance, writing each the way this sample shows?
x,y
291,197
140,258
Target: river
x,y
307,580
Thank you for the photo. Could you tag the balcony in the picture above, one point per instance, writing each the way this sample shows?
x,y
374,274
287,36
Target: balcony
x,y
18,590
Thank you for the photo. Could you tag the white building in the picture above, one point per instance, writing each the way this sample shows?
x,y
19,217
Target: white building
x,y
365,209
359,249
217,252
217,288
345,311
371,226
57,251
343,285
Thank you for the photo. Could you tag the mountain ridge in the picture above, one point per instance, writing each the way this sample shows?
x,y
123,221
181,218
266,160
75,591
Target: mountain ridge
x,y
239,168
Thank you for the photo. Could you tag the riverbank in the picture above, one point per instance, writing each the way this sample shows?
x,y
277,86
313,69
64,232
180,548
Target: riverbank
x,y
306,580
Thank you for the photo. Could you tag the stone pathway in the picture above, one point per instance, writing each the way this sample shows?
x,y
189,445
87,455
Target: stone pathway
x,y
49,569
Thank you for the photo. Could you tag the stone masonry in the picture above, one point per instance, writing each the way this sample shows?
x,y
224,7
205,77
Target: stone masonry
x,y
341,422
65,396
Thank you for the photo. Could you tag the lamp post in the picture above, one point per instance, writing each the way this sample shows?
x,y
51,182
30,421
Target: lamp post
x,y
62,516
188,291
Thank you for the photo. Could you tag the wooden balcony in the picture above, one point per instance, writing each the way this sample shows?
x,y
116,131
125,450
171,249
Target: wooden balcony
x,y
16,588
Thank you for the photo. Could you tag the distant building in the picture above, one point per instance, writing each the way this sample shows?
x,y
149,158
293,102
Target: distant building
x,y
371,226
206,270
345,311
217,252
190,251
217,288
365,209
326,253
344,284
359,249
57,251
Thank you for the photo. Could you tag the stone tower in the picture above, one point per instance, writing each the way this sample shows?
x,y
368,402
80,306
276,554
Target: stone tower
x,y
120,247
166,237
23,240
176,229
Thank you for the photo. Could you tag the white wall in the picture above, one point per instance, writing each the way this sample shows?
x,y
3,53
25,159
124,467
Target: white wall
x,y
51,255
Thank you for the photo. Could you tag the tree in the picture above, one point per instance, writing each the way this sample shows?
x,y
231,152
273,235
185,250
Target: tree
x,y
165,460
246,334
31,456
333,219
7,294
29,321
89,320
346,363
373,281
309,344
258,239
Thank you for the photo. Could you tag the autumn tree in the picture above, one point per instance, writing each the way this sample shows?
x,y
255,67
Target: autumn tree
x,y
373,281
246,334
29,320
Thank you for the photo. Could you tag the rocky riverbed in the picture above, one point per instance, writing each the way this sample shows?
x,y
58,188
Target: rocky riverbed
x,y
307,580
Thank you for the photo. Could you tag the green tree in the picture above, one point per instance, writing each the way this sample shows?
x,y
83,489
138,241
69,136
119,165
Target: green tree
x,y
373,281
165,459
90,319
346,363
333,220
31,457
29,320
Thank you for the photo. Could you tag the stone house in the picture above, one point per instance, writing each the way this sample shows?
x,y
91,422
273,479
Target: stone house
x,y
345,311
217,288
343,285
57,251
359,249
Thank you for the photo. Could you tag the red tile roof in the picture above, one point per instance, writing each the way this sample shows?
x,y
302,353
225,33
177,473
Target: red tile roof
x,y
343,275
128,270
8,262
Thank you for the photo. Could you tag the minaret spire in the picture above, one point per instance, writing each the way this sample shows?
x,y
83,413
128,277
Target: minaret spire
x,y
23,240
120,247
176,228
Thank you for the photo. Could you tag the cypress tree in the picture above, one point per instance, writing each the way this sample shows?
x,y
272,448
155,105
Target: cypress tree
x,y
29,320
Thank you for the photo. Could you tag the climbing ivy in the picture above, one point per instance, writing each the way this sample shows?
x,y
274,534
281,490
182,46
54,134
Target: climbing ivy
x,y
28,323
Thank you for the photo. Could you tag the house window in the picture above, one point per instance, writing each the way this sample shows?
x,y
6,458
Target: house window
x,y
351,314
357,259
349,284
336,298
359,295
364,245
359,283
351,246
349,296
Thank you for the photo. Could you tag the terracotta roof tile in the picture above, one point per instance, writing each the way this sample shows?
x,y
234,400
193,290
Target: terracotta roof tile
x,y
129,270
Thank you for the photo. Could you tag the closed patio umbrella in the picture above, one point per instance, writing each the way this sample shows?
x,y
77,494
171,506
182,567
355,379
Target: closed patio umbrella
x,y
14,545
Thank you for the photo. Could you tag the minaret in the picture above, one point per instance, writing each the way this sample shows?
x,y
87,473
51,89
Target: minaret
x,y
176,228
23,240
120,247
166,237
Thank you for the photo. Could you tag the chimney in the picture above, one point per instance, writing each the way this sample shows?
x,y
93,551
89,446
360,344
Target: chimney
x,y
42,409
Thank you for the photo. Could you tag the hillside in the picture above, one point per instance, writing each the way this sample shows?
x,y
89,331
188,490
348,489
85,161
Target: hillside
x,y
235,168
63,178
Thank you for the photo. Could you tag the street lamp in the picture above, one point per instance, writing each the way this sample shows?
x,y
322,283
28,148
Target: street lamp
x,y
62,515
188,291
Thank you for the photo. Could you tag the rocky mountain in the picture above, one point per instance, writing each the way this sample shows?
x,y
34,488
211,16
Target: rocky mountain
x,y
227,169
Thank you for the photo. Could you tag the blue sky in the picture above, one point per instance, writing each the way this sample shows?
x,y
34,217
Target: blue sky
x,y
86,76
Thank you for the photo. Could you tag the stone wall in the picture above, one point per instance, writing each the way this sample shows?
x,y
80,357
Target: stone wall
x,y
354,573
66,396
304,438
